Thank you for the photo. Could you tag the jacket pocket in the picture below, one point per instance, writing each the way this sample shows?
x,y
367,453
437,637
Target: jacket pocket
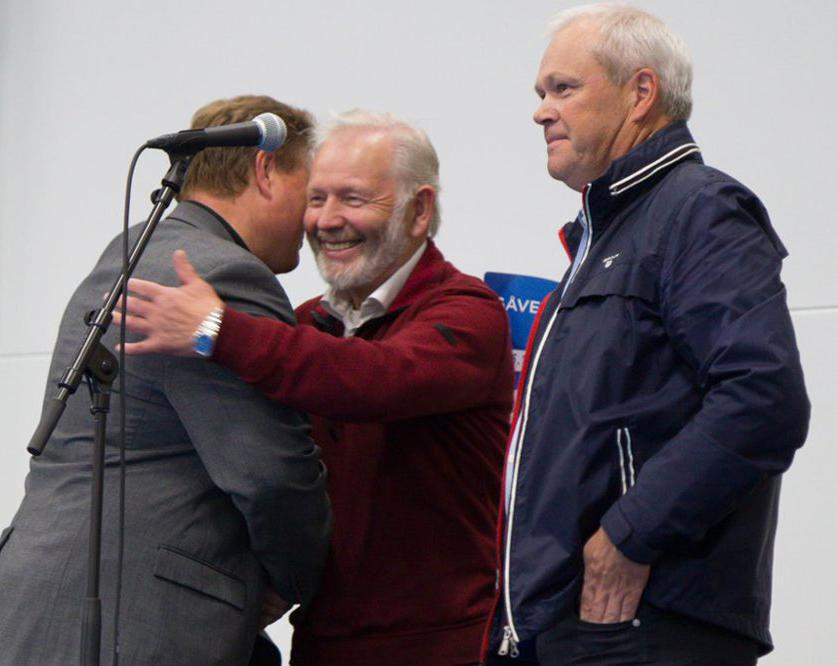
x,y
625,279
4,536
625,459
183,569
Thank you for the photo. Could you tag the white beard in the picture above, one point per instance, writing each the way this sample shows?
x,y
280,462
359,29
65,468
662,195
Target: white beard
x,y
379,253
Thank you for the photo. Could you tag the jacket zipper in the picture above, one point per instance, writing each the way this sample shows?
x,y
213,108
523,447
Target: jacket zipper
x,y
509,644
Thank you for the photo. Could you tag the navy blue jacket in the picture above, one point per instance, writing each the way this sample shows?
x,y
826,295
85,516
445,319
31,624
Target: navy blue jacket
x,y
661,399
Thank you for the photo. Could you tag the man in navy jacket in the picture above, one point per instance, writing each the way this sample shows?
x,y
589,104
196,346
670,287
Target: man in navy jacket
x,y
662,394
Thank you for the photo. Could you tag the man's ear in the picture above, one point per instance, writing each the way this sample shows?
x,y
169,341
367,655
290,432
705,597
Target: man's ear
x,y
264,171
645,91
423,206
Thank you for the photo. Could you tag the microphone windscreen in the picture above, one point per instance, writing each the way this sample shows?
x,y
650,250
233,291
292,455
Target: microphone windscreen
x,y
274,131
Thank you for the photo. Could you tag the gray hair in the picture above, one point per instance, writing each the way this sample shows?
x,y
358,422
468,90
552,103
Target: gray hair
x,y
632,39
415,162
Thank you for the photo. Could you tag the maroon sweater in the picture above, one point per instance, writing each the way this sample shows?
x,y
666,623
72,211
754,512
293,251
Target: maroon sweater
x,y
412,416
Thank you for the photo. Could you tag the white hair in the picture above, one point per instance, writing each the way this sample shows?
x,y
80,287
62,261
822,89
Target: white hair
x,y
415,162
632,39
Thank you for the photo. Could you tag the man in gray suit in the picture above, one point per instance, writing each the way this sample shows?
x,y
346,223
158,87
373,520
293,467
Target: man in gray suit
x,y
225,490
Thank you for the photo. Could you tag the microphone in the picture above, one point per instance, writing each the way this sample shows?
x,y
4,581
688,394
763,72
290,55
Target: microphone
x,y
266,131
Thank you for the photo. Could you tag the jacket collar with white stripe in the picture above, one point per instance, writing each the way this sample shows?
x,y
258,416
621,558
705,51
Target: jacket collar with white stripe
x,y
637,170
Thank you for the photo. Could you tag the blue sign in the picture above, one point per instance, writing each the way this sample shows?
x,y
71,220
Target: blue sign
x,y
521,296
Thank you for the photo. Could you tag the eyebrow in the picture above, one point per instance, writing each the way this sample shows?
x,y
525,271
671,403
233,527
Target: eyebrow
x,y
341,191
557,77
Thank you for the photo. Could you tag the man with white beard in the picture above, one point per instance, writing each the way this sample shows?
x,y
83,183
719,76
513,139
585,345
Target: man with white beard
x,y
409,384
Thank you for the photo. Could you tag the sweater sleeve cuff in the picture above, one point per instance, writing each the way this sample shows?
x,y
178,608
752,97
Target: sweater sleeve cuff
x,y
233,327
622,535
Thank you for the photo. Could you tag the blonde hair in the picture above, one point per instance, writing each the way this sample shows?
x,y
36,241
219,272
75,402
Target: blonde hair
x,y
226,171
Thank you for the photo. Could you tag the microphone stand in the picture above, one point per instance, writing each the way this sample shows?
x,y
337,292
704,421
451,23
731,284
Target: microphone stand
x,y
100,367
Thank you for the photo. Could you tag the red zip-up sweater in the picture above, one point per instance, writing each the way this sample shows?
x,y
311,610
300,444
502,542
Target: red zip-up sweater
x,y
412,416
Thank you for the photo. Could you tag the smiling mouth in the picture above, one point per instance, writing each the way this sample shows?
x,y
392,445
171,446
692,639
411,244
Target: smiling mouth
x,y
337,246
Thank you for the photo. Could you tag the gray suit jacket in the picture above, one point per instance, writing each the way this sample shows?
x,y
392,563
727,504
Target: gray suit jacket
x,y
225,490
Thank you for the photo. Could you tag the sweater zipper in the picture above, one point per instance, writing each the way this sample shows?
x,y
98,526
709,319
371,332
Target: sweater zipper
x,y
510,641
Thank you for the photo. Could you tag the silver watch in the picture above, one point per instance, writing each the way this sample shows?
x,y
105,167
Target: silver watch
x,y
203,339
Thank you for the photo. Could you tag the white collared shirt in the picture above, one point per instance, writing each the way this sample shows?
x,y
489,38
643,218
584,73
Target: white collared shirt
x,y
374,305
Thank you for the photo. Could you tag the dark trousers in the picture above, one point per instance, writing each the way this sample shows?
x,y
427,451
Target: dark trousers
x,y
654,637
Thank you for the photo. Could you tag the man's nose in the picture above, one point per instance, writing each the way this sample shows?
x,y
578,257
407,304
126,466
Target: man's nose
x,y
544,113
329,215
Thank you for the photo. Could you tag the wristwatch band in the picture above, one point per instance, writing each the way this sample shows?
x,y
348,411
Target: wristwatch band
x,y
203,339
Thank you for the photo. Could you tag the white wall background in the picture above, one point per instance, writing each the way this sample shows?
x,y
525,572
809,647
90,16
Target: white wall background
x,y
83,84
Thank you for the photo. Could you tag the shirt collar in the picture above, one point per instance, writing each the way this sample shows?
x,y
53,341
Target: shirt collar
x,y
237,239
374,305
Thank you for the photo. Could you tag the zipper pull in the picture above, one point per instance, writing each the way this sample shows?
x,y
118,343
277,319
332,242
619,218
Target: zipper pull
x,y
508,646
503,650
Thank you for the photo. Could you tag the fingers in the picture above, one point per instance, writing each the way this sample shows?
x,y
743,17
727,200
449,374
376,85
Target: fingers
x,y
137,307
613,608
132,323
612,584
167,316
141,347
608,606
628,607
183,269
603,604
146,289
608,603
594,599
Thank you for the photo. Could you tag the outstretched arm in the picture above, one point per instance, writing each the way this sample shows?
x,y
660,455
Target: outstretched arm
x,y
463,330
